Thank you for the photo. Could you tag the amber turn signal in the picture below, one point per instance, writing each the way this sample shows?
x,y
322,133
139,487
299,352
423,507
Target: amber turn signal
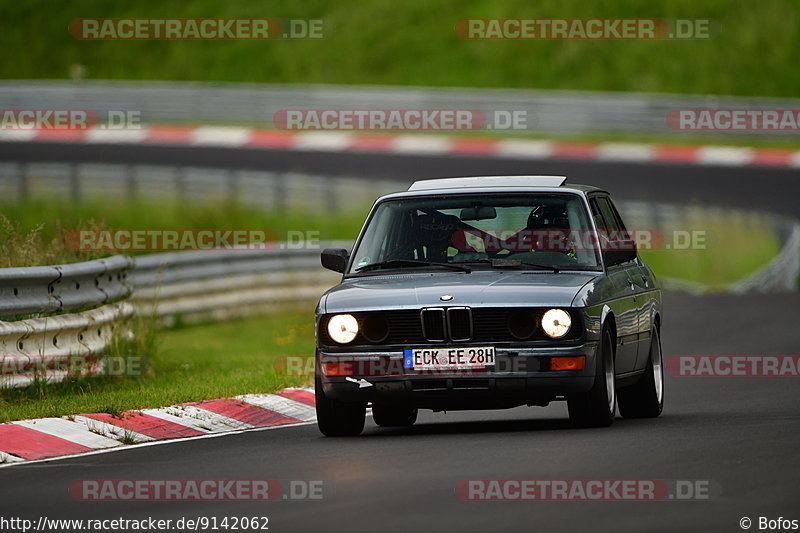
x,y
567,363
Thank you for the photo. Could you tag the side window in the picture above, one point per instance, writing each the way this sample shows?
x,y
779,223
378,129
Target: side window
x,y
613,221
625,233
604,230
598,218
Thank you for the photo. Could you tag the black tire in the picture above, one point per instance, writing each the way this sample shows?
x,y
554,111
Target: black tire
x,y
394,415
597,406
336,418
645,399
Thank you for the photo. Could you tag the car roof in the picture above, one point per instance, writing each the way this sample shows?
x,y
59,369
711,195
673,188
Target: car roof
x,y
484,184
488,181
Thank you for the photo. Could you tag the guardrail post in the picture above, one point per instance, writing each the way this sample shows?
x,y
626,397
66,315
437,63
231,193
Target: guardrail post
x,y
23,181
130,181
329,190
232,180
180,182
74,183
280,191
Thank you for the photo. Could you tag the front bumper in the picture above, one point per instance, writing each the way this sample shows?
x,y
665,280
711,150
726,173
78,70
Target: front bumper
x,y
521,376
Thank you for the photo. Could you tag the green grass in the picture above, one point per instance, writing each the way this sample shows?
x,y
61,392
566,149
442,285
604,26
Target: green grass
x,y
788,141
743,140
187,364
35,231
192,363
33,240
734,248
414,43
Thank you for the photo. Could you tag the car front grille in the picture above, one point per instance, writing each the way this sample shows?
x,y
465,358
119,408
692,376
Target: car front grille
x,y
408,327
434,324
459,323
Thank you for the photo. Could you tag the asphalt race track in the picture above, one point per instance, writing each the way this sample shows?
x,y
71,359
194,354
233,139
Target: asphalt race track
x,y
739,434
773,188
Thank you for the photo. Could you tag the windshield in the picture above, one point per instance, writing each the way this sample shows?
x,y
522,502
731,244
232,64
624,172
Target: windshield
x,y
526,231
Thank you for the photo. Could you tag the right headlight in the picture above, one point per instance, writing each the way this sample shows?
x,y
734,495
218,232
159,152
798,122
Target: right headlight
x,y
343,328
556,323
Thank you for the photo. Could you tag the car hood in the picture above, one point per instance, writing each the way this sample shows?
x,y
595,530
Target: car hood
x,y
479,288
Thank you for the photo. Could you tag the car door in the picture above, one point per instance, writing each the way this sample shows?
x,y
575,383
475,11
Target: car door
x,y
643,285
646,296
624,305
642,279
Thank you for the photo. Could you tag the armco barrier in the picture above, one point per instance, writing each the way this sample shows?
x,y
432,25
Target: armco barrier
x,y
55,346
781,273
210,284
270,191
52,289
220,284
546,110
56,340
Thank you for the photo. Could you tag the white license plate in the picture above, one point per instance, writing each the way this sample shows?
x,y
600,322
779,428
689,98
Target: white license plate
x,y
468,358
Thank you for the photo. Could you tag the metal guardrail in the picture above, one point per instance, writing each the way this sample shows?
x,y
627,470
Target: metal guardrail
x,y
169,268
219,284
196,285
781,273
547,111
274,191
53,347
36,347
53,289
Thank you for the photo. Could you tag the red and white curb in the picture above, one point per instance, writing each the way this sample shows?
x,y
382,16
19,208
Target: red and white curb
x,y
414,144
45,438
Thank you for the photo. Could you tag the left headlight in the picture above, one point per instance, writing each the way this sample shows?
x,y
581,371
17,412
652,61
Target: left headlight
x,y
556,323
343,328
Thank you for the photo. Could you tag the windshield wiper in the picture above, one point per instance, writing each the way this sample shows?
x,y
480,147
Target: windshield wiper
x,y
514,263
412,262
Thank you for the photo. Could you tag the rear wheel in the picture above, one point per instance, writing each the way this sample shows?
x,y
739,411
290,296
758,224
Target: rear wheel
x,y
393,416
645,399
336,418
597,406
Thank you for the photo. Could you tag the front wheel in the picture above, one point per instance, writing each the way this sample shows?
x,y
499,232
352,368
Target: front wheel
x,y
597,406
645,399
336,418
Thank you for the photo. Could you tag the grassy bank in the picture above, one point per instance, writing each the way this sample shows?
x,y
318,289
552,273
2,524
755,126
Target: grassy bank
x,y
414,43
699,139
186,364
36,231
217,360
732,247
726,250
193,363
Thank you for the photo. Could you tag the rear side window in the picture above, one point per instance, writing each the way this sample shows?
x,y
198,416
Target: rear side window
x,y
598,218
610,215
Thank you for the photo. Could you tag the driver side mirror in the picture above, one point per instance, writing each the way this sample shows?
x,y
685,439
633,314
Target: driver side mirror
x,y
335,259
619,252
